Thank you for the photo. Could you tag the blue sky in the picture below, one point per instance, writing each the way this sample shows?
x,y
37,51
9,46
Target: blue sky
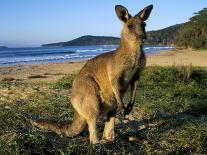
x,y
34,22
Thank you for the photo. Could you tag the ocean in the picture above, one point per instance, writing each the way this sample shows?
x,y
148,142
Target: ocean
x,y
40,55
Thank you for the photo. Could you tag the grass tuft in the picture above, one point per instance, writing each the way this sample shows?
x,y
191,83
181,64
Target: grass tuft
x,y
64,83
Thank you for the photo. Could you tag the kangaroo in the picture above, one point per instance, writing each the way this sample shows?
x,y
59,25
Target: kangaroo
x,y
99,88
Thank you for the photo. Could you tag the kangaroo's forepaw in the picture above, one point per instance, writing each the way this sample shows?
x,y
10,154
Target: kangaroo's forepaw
x,y
128,110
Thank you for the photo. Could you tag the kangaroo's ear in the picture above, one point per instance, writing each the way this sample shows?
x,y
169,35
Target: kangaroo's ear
x,y
144,14
122,13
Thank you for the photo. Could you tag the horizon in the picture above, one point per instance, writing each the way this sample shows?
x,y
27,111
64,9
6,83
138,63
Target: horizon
x,y
33,23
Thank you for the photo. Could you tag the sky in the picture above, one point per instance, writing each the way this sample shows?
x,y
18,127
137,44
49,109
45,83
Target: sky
x,y
30,23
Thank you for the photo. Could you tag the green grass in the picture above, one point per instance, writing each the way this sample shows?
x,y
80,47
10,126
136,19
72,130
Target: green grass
x,y
170,116
64,83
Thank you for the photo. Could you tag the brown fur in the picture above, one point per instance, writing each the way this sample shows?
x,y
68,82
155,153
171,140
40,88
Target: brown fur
x,y
99,88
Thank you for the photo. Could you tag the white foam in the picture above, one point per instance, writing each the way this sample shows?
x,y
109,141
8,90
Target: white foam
x,y
89,50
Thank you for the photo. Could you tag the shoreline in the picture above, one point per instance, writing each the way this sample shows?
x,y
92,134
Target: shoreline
x,y
53,71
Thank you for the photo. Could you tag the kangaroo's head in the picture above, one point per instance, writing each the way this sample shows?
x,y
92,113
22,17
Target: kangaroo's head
x,y
134,27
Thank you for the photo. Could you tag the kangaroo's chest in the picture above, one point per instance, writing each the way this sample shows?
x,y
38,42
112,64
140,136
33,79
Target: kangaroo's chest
x,y
132,66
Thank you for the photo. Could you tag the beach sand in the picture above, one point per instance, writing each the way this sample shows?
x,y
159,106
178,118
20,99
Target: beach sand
x,y
179,57
53,71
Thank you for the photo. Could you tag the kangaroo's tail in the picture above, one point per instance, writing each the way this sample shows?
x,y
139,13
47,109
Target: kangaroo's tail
x,y
70,129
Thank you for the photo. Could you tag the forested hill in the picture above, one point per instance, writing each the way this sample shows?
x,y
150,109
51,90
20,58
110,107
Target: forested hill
x,y
194,33
1,47
160,37
88,40
164,36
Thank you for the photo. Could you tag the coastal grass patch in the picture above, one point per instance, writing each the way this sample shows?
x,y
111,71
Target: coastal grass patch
x,y
171,90
9,82
169,116
178,135
65,82
172,103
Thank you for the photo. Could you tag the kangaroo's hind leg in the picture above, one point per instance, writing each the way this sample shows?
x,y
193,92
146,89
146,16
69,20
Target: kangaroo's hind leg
x,y
109,133
86,101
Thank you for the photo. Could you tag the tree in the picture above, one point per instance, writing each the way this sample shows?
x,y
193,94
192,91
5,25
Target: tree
x,y
193,34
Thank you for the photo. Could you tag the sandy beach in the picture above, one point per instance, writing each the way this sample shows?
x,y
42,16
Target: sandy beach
x,y
54,71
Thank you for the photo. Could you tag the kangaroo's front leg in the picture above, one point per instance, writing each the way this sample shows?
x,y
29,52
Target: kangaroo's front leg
x,y
115,84
133,86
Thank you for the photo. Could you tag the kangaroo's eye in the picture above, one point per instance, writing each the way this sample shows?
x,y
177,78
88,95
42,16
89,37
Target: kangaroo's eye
x,y
130,26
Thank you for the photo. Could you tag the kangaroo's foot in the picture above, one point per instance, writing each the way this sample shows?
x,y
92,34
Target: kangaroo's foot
x,y
106,141
93,131
109,133
108,136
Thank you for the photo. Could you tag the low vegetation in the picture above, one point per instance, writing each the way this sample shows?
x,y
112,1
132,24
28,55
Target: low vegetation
x,y
169,116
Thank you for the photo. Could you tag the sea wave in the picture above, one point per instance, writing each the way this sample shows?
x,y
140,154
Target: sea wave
x,y
45,55
158,47
40,59
89,50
